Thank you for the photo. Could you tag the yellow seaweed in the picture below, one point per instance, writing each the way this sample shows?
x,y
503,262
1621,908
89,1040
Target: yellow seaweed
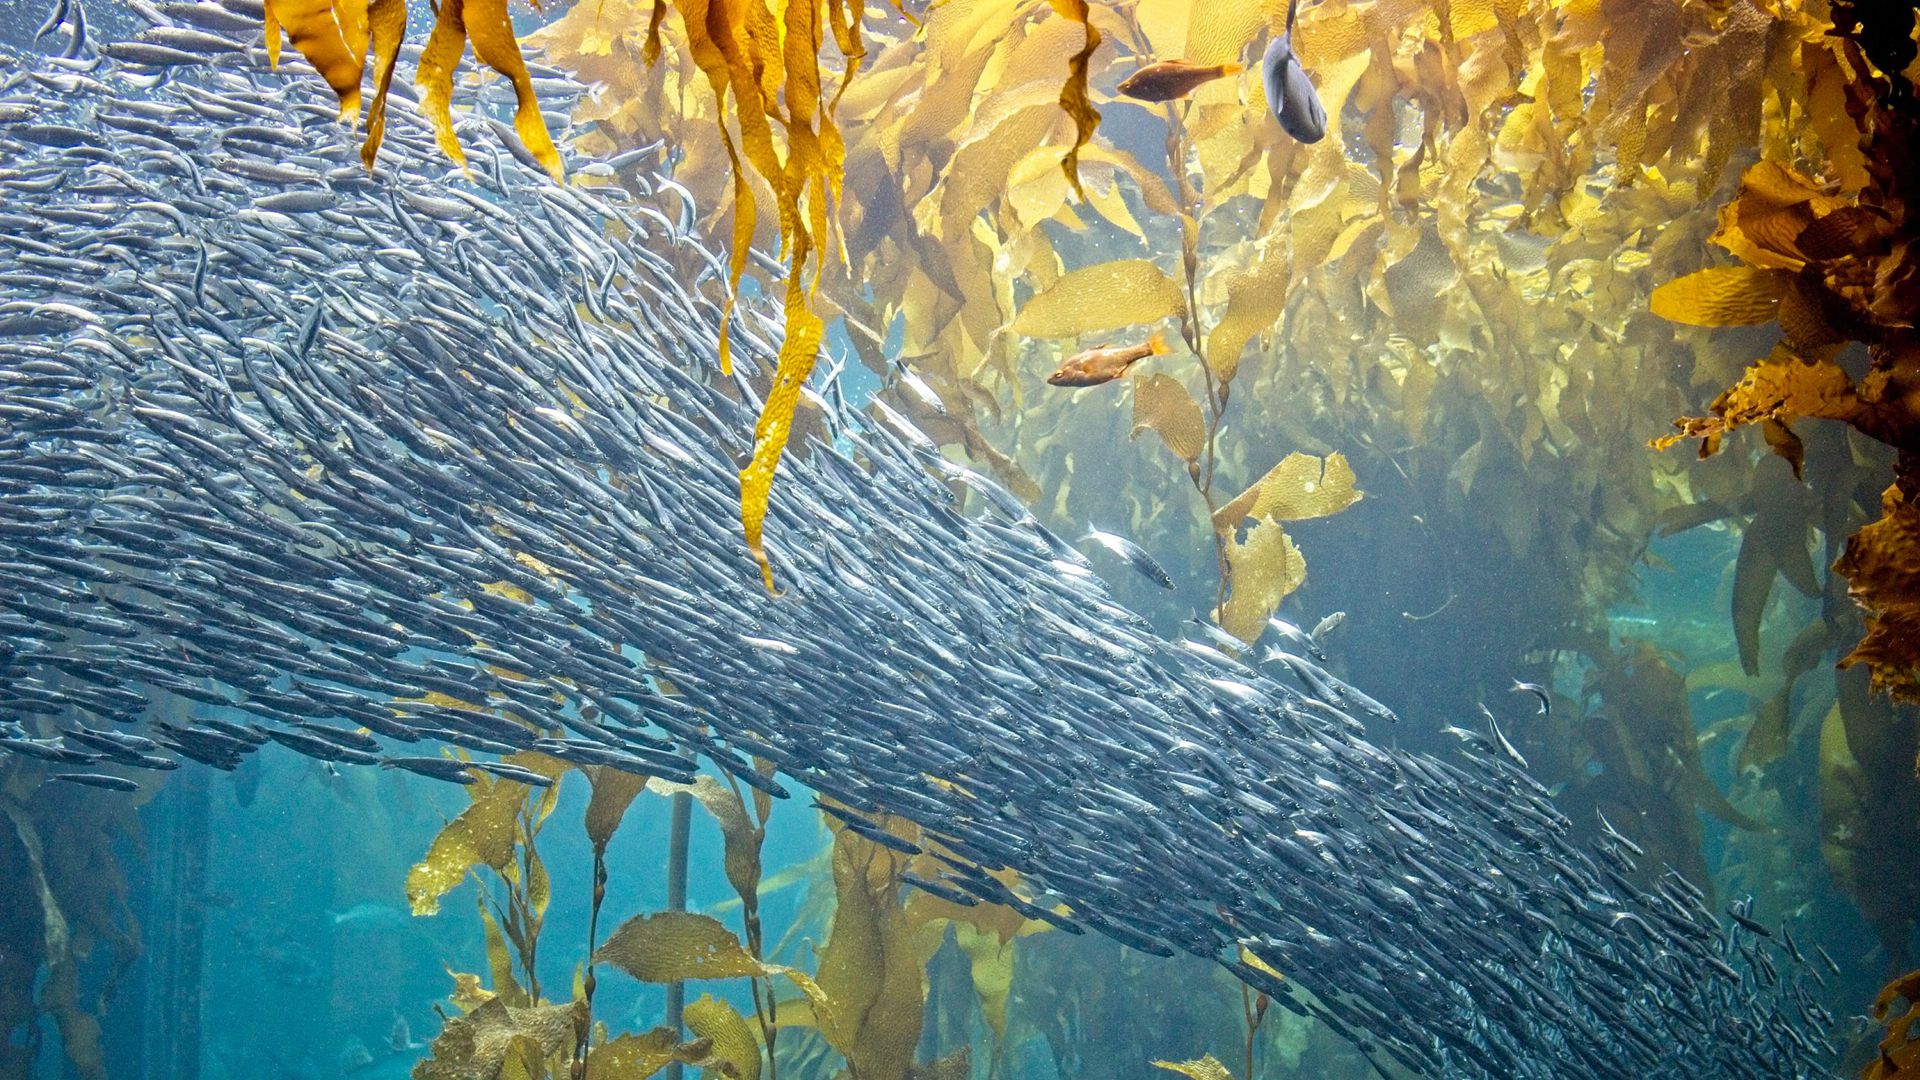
x,y
638,1056
797,355
740,837
1105,296
1261,571
326,44
1722,296
484,834
446,44
1073,94
479,1043
1899,1057
490,31
1301,486
672,946
387,25
613,792
1203,1068
735,1046
1162,405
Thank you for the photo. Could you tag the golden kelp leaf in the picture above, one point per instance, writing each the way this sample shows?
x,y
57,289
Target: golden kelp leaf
x,y
1882,566
991,963
1900,1049
387,26
1255,299
637,1057
1767,735
1763,223
1248,958
1162,404
499,959
524,1060
272,25
446,44
736,1047
1830,118
477,1044
1766,740
739,835
1301,486
324,42
491,31
797,355
1073,94
613,791
1260,574
1105,296
1206,1068
482,835
1722,296
1782,387
669,946
869,968
467,994
1844,793
506,590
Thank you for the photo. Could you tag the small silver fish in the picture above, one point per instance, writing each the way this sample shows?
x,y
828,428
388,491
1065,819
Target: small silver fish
x,y
1546,701
1135,556
1295,102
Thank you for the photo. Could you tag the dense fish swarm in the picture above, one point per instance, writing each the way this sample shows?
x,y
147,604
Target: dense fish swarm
x,y
377,460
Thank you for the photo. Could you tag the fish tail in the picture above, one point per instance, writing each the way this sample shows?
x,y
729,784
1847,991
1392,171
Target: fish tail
x,y
1231,69
1157,344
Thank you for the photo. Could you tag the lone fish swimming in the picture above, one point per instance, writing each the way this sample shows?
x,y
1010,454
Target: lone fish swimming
x,y
1171,80
1105,363
1290,93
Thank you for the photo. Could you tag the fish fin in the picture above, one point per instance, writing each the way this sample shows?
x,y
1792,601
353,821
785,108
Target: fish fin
x,y
1157,344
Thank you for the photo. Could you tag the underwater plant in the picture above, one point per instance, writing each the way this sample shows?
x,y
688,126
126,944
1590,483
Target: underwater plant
x,y
1899,1057
865,999
1451,295
1831,261
766,59
67,902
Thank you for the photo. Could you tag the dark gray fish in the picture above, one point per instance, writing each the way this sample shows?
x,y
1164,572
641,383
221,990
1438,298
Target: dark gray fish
x,y
1290,93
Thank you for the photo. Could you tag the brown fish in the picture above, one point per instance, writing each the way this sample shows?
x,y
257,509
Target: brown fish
x,y
1105,363
1170,80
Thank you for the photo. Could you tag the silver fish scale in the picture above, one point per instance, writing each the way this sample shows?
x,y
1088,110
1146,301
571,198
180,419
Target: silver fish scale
x,y
301,454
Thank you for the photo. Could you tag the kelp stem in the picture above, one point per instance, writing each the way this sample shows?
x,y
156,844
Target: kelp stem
x,y
1190,328
679,822
583,1024
1253,1024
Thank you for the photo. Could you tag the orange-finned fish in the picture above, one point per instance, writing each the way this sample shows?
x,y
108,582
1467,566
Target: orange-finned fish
x,y
1105,363
1170,80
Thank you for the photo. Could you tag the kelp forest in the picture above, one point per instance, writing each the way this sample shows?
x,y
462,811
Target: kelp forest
x,y
1581,352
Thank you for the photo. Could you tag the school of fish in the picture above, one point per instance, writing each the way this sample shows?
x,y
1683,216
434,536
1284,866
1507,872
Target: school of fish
x,y
366,464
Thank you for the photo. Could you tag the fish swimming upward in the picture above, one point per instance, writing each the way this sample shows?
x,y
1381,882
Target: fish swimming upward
x,y
1171,80
1105,363
1295,102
